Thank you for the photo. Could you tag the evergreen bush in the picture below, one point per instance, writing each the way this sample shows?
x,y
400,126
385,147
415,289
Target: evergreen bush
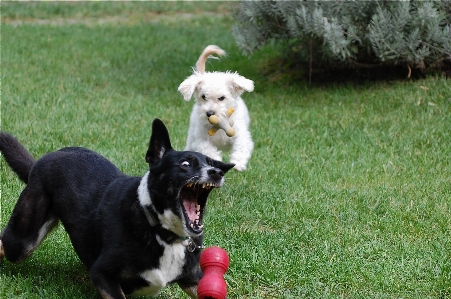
x,y
416,34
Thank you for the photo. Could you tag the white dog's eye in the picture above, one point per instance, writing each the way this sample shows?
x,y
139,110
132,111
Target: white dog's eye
x,y
204,97
221,98
186,164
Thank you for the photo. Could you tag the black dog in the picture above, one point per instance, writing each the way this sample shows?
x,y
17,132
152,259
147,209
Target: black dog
x,y
135,235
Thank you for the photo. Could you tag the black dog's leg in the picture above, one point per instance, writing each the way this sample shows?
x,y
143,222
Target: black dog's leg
x,y
107,286
111,294
2,251
30,222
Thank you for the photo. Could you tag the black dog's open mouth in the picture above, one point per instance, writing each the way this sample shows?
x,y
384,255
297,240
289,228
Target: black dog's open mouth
x,y
194,199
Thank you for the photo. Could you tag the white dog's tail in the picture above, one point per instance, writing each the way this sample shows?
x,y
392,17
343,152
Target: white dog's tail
x,y
209,50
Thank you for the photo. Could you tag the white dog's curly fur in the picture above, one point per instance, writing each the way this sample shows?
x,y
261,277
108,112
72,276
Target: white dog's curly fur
x,y
215,93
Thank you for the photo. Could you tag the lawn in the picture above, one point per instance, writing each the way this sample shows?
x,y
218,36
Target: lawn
x,y
349,186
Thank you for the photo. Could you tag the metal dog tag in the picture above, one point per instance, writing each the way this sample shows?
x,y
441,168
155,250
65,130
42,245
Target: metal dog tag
x,y
191,245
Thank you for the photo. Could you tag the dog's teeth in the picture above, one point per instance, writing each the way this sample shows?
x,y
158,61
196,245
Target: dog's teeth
x,y
209,186
201,226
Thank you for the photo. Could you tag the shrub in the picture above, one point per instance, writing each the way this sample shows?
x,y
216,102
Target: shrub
x,y
416,34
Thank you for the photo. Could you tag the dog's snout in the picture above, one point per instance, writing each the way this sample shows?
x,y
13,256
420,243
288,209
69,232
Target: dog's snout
x,y
215,173
210,113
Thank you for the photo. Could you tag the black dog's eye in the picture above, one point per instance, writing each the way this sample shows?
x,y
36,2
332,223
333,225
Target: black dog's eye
x,y
221,98
185,164
204,97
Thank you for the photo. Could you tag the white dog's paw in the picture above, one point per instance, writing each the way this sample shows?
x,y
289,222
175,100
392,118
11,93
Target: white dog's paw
x,y
239,167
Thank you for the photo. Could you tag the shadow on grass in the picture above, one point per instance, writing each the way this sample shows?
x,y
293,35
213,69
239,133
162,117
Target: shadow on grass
x,y
45,280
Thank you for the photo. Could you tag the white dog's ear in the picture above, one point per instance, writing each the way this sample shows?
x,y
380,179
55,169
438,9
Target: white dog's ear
x,y
188,86
240,84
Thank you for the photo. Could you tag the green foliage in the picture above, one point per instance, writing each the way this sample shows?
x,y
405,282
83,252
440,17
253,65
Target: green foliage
x,y
356,33
347,193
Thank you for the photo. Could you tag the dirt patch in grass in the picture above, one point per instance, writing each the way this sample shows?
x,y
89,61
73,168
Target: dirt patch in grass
x,y
149,17
99,13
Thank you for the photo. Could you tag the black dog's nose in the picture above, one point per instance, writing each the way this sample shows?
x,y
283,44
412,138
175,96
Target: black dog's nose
x,y
210,113
215,173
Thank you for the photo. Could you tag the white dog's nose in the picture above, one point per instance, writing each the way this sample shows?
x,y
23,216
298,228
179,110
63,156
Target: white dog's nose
x,y
210,113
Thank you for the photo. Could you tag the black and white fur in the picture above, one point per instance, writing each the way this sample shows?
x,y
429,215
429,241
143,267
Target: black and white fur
x,y
134,234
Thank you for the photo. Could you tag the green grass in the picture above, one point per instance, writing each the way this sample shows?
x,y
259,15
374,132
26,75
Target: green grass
x,y
349,187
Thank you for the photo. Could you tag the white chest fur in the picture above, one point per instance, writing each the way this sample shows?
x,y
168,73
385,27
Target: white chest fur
x,y
171,264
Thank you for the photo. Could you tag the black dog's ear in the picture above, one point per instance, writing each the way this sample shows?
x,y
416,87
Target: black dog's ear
x,y
159,144
224,166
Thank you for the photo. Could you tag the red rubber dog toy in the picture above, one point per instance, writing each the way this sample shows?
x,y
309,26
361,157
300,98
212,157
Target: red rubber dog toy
x,y
214,262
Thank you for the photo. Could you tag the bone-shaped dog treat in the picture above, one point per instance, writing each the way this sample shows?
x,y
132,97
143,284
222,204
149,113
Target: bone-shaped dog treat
x,y
225,123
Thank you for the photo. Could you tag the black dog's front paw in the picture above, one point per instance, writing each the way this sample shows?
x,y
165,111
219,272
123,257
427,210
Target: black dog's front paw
x,y
191,291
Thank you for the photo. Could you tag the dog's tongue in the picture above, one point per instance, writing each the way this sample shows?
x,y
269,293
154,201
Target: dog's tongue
x,y
190,204
190,209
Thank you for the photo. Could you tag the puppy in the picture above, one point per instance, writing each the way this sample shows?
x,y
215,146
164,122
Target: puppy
x,y
214,94
134,234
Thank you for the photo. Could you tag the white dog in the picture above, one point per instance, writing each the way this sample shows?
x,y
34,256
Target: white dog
x,y
214,94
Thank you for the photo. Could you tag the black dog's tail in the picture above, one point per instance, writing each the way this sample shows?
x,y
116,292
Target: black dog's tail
x,y
17,157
